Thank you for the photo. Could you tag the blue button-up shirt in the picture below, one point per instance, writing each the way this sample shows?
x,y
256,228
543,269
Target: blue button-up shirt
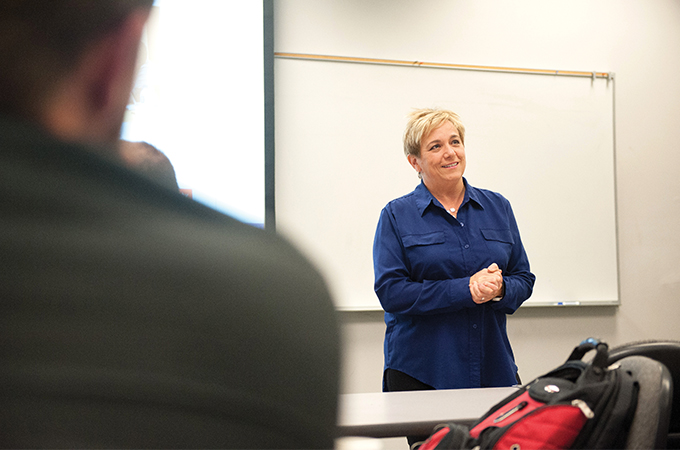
x,y
423,258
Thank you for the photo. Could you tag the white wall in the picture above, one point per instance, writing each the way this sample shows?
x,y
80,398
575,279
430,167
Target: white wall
x,y
638,40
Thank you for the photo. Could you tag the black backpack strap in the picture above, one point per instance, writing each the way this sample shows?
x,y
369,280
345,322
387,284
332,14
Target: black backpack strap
x,y
597,368
584,347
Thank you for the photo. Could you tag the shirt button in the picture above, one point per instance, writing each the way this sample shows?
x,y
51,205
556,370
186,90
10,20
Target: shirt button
x,y
467,245
462,224
474,326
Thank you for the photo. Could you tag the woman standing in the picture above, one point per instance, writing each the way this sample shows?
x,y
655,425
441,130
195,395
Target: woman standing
x,y
449,267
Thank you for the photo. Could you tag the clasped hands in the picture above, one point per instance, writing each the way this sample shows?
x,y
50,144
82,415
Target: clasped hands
x,y
486,284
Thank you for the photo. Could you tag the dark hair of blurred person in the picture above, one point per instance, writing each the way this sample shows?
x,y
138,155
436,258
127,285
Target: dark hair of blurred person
x,y
150,161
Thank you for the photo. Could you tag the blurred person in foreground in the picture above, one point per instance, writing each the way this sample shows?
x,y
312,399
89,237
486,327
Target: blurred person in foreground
x,y
132,316
449,267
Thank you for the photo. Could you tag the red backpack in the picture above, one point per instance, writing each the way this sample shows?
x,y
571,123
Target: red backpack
x,y
577,405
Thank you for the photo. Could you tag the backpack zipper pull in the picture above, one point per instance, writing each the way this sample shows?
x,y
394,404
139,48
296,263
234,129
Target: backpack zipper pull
x,y
583,406
510,412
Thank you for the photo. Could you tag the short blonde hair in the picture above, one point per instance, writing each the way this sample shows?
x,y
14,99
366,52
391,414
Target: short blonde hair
x,y
422,122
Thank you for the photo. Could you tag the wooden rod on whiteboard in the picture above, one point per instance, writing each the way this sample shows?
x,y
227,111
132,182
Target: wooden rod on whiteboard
x,y
573,73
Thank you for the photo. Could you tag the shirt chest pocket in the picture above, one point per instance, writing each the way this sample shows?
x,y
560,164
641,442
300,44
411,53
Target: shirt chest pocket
x,y
424,253
419,240
499,244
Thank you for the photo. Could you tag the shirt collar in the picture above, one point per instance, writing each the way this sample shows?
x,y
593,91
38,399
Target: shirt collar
x,y
423,197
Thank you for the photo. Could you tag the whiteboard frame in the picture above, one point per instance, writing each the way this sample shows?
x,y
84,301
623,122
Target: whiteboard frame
x,y
298,234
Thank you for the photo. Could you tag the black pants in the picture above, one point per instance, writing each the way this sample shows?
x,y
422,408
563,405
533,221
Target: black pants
x,y
395,381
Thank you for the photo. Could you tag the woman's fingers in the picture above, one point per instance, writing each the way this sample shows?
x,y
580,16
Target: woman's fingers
x,y
482,292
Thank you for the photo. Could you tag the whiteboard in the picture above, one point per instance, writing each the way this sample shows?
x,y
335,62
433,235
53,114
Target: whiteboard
x,y
543,141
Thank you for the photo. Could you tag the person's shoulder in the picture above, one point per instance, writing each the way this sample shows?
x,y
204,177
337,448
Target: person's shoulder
x,y
482,194
404,201
228,239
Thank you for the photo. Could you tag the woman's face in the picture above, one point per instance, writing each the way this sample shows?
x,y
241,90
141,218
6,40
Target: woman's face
x,y
442,157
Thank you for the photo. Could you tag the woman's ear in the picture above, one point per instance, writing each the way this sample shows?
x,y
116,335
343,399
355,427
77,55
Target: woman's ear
x,y
414,163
